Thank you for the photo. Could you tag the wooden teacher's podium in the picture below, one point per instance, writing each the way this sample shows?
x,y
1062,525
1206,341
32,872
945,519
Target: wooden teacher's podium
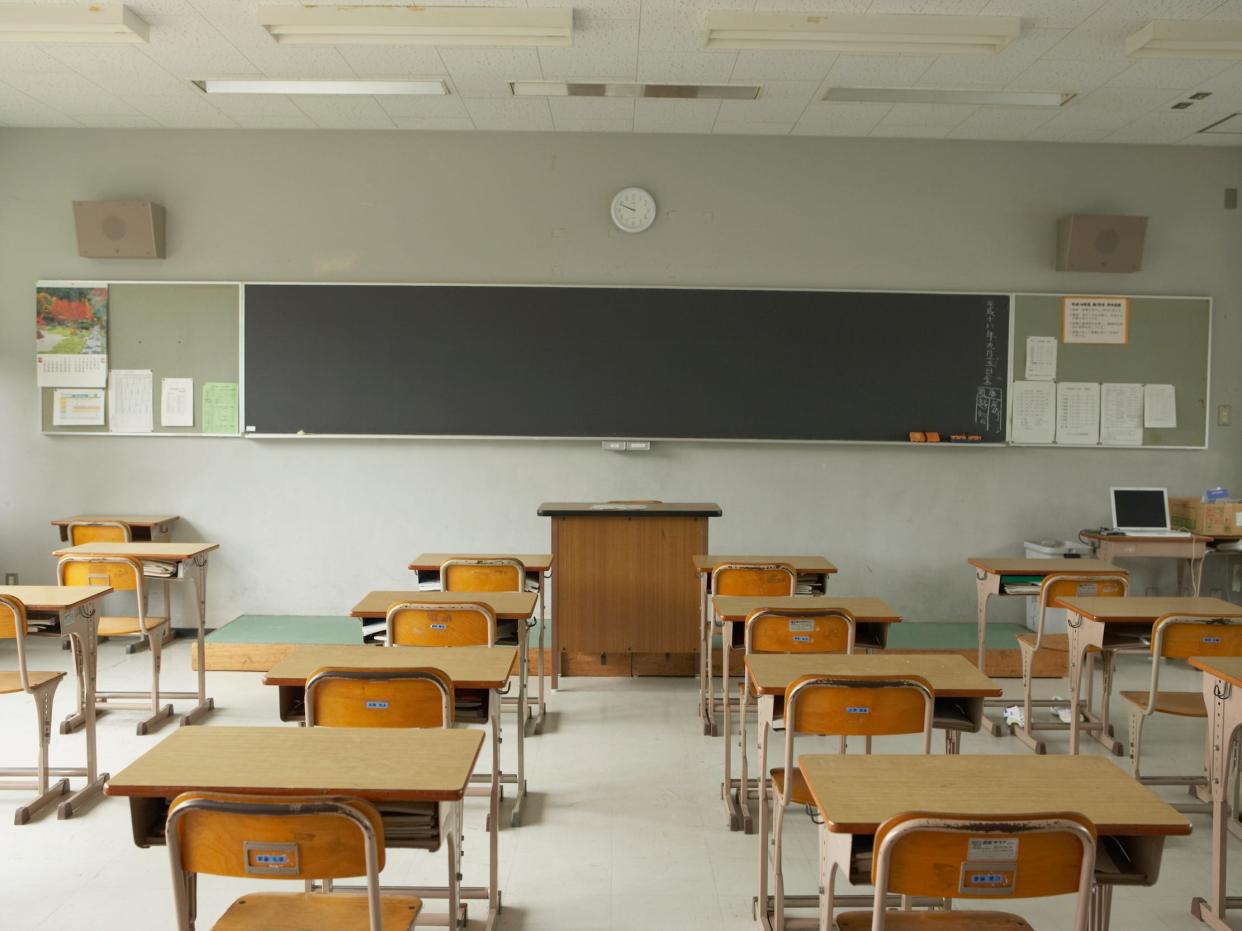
x,y
625,599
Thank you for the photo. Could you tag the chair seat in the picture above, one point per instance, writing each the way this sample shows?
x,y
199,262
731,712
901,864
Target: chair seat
x,y
119,626
12,681
958,920
800,792
313,911
1186,704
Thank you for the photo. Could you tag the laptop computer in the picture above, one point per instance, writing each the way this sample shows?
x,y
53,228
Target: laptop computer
x,y
1143,512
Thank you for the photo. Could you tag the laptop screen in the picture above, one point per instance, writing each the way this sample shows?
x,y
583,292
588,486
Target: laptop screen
x,y
1140,509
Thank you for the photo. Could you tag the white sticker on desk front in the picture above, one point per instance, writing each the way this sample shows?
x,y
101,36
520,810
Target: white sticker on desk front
x,y
857,709
992,848
377,705
1087,589
801,624
439,626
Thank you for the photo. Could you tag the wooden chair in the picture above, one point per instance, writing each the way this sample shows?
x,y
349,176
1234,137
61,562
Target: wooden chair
x,y
497,575
936,855
41,686
115,531
345,697
831,706
265,837
767,630
427,624
123,574
1102,585
1179,636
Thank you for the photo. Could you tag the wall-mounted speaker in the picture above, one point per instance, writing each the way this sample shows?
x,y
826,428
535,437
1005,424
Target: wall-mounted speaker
x,y
1095,243
119,229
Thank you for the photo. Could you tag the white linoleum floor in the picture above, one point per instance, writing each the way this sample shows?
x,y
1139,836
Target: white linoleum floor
x,y
625,829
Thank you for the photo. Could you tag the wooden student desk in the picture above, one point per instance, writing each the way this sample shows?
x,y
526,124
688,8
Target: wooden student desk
x,y
1222,690
146,528
1109,623
190,561
508,606
622,601
813,572
257,642
378,765
426,566
1187,550
958,688
74,607
1131,820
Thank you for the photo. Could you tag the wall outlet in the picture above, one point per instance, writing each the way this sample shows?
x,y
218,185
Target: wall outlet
x,y
1224,415
10,578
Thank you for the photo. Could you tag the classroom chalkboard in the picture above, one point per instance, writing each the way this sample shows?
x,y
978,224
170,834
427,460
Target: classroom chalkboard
x,y
606,362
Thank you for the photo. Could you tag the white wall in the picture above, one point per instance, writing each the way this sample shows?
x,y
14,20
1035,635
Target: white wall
x,y
308,526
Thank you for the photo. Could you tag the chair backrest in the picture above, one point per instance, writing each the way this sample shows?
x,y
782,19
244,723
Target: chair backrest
x,y
1181,636
427,624
99,531
960,856
482,575
828,630
778,579
853,705
121,572
13,627
1097,585
345,697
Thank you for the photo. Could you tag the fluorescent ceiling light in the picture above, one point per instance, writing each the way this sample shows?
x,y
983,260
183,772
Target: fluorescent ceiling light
x,y
417,25
934,95
96,23
369,88
624,89
861,32
1166,39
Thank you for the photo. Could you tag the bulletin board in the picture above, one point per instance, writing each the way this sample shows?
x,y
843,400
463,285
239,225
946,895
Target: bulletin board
x,y
1167,342
176,330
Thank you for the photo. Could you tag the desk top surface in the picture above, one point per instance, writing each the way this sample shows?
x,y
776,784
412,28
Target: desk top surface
x,y
430,764
1187,537
880,786
736,607
1147,608
949,675
134,520
628,509
507,605
810,564
468,667
1006,565
534,562
54,597
173,552
1228,668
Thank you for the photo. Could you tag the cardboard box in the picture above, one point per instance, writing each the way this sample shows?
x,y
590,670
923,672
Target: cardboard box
x,y
1222,518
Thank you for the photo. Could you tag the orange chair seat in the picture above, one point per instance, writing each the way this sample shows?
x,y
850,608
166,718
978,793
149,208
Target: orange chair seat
x,y
119,626
800,793
12,681
312,911
956,919
1186,704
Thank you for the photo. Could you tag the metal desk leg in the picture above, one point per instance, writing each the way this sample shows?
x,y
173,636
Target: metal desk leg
x,y
198,576
1083,635
727,787
493,820
85,628
987,584
556,645
1226,710
543,706
515,817
705,660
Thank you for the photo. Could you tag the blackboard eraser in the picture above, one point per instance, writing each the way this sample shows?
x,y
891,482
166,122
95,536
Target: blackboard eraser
x,y
917,437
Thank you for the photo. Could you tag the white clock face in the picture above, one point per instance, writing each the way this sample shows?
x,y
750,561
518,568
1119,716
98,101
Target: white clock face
x,y
633,209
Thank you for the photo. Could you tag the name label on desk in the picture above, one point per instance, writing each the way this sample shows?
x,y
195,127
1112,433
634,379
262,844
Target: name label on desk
x,y
1088,589
376,705
268,859
439,626
992,848
857,709
804,624
999,878
801,638
1211,639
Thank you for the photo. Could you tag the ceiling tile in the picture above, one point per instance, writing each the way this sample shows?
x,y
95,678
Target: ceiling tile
x,y
393,61
448,107
878,70
305,62
935,7
298,120
734,128
1053,14
681,25
434,123
516,113
995,71
594,126
684,116
344,112
19,56
608,47
1076,76
1167,126
781,101
759,65
601,9
591,108
1002,122
487,72
684,67
901,131
118,121
812,6
1168,73
119,68
1158,9
841,119
927,114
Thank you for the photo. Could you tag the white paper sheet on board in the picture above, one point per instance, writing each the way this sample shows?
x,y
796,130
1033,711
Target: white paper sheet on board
x,y
1078,413
130,407
1095,320
1041,358
1159,406
177,402
1121,415
71,371
1034,411
81,407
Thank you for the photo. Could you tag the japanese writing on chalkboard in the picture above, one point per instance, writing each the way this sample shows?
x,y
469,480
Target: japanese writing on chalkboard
x,y
989,395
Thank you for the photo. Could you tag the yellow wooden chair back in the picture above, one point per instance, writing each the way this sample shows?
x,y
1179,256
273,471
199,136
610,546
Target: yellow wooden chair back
x,y
99,531
441,625
858,705
416,697
1103,585
482,575
121,572
776,579
968,856
275,838
776,631
1183,636
12,617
